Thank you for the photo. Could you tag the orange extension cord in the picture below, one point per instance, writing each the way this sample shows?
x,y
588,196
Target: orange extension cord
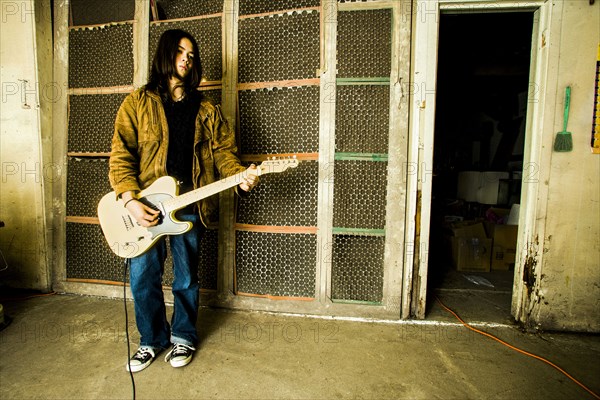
x,y
517,349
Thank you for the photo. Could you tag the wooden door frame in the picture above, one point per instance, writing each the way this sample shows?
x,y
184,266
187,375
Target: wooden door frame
x,y
536,164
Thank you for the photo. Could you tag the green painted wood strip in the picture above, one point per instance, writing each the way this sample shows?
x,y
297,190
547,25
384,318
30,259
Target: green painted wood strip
x,y
364,81
358,302
361,156
358,231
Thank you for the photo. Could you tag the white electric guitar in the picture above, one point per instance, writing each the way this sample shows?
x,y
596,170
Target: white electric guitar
x,y
128,239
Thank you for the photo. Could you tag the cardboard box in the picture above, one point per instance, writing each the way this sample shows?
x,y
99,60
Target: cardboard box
x,y
505,246
504,240
471,249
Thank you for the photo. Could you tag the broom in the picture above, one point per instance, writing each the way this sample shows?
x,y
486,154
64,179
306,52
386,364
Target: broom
x,y
563,140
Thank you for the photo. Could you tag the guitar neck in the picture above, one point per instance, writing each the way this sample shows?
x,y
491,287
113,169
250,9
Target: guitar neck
x,y
266,167
193,196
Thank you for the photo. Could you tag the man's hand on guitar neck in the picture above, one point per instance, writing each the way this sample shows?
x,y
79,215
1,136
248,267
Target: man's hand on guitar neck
x,y
251,179
144,215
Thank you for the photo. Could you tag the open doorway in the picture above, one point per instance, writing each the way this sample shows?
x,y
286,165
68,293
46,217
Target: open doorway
x,y
481,103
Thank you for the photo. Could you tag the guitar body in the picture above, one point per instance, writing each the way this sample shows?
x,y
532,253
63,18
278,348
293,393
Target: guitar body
x,y
124,235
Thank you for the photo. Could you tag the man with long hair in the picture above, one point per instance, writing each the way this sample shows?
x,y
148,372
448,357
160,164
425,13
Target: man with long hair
x,y
168,128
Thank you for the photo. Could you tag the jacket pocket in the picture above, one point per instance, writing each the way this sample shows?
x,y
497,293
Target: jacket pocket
x,y
148,151
148,126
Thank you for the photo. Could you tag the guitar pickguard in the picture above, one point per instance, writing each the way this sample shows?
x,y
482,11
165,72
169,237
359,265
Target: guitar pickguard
x,y
166,224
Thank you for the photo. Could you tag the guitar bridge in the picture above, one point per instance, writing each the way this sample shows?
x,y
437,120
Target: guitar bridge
x,y
128,222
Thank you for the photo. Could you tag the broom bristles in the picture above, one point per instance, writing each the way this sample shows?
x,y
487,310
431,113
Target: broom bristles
x,y
563,142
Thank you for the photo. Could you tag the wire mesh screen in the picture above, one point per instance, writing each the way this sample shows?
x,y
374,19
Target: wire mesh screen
x,y
285,199
92,12
357,269
265,6
92,121
279,120
359,194
101,57
275,264
207,32
87,182
89,257
362,130
171,9
209,259
362,119
279,47
213,95
88,254
364,40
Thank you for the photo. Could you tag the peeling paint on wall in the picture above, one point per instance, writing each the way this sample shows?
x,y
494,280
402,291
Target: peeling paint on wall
x,y
532,285
530,264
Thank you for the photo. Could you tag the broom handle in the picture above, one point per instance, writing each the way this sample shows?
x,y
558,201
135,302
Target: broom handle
x,y
567,105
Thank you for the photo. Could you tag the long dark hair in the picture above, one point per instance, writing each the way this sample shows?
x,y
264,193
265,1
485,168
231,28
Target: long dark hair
x,y
163,64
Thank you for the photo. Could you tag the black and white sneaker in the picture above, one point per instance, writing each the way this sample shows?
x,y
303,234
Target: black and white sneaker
x,y
141,359
180,355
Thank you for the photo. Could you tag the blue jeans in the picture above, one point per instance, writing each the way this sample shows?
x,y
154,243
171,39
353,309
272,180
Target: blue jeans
x,y
145,277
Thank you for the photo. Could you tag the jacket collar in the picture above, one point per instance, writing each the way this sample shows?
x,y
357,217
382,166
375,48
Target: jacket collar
x,y
156,97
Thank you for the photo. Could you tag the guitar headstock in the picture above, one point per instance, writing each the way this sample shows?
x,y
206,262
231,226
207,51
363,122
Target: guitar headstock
x,y
277,164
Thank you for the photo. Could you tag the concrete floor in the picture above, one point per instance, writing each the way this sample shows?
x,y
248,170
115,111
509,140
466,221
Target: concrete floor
x,y
74,347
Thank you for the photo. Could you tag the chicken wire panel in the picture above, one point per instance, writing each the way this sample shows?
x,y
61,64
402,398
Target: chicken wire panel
x,y
359,194
207,32
213,95
282,120
92,12
89,256
92,121
364,41
208,259
171,9
357,268
362,119
101,57
87,182
279,47
276,264
286,199
248,7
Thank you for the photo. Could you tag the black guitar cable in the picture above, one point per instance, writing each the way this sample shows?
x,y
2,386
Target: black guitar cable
x,y
127,325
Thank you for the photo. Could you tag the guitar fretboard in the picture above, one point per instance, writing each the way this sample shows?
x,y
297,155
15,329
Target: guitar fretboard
x,y
201,193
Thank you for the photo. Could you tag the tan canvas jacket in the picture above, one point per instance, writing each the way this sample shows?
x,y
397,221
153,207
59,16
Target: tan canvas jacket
x,y
141,140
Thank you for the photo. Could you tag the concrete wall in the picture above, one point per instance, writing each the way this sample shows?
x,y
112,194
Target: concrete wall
x,y
25,139
570,269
